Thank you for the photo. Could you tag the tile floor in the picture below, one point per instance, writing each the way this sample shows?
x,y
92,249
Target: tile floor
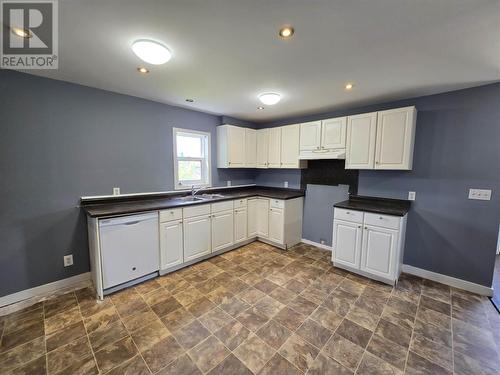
x,y
257,310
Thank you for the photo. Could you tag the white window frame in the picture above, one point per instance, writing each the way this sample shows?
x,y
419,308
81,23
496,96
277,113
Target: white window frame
x,y
206,169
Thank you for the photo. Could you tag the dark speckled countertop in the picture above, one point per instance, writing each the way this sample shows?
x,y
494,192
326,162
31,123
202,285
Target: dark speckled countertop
x,y
387,206
119,206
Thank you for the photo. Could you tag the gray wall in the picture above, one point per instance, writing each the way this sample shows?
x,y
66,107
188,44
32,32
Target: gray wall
x,y
59,141
457,147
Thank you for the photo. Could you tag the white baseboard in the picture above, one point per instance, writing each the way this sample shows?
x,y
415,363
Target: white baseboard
x,y
19,300
320,245
448,280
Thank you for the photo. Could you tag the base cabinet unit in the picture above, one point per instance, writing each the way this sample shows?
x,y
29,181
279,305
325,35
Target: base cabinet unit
x,y
252,227
262,217
197,237
171,239
276,225
240,220
222,230
369,244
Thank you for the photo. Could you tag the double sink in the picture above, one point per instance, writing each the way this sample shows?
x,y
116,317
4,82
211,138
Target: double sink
x,y
197,198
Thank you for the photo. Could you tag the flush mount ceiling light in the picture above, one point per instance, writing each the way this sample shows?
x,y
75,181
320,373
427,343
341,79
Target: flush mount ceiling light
x,y
349,86
23,33
286,32
151,52
142,70
269,98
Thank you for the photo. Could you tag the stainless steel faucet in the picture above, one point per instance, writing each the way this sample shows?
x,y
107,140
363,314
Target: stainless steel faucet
x,y
194,191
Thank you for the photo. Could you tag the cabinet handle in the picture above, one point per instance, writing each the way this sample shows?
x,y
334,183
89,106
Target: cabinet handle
x,y
359,226
366,228
381,218
348,213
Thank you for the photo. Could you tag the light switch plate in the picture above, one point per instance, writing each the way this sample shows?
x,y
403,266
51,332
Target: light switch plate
x,y
228,182
68,260
412,195
116,191
285,184
480,194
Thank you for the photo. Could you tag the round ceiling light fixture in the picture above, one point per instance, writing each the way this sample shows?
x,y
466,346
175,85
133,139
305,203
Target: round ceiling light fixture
x,y
23,33
142,70
286,32
269,98
151,52
349,86
260,107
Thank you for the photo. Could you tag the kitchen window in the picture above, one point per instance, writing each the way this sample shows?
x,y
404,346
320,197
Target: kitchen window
x,y
191,158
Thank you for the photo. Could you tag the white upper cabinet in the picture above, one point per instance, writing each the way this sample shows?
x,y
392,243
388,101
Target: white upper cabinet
x,y
395,138
262,147
231,142
290,146
250,148
333,133
381,140
360,146
274,151
323,139
310,136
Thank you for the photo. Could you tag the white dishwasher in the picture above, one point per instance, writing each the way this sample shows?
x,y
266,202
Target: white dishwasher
x,y
129,248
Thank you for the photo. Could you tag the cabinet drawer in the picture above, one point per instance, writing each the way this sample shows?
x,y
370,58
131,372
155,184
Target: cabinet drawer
x,y
203,209
240,203
277,203
348,215
167,215
221,206
384,221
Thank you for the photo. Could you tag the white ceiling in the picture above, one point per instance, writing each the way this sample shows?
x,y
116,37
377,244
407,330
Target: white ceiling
x,y
227,51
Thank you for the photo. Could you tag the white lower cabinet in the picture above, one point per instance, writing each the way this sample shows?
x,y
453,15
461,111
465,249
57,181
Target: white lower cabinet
x,y
276,225
197,237
171,244
347,243
252,217
262,217
379,250
369,244
222,230
240,224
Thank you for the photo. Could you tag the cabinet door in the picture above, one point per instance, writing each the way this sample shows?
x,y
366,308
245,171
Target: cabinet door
x,y
290,146
196,237
171,244
360,146
222,230
262,147
276,225
347,243
333,133
252,218
274,152
310,136
263,217
395,138
250,148
240,224
379,251
236,144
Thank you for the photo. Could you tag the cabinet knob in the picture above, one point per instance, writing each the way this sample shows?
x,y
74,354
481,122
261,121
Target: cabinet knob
x,y
377,162
134,268
229,163
380,217
359,226
366,228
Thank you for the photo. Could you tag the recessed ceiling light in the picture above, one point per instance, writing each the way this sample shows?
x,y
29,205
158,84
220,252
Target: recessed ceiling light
x,y
142,70
269,98
190,100
23,33
151,52
260,107
349,86
286,32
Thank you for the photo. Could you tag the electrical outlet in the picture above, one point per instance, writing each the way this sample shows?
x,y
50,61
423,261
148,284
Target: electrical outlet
x,y
480,194
285,184
68,260
411,195
228,182
322,242
116,191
